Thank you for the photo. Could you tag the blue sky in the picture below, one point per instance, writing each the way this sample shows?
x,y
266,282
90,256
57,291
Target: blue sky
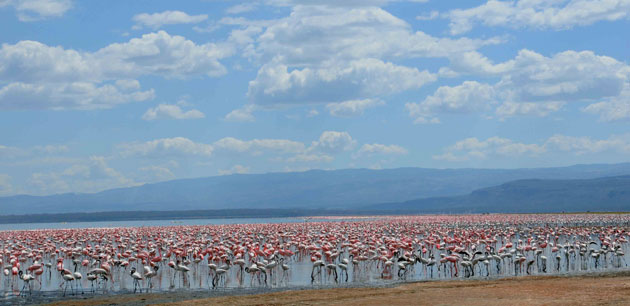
x,y
98,95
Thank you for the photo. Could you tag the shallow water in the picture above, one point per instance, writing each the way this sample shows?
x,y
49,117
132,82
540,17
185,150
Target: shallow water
x,y
300,274
140,223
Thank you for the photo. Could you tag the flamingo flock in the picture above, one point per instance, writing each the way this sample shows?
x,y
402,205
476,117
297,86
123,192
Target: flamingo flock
x,y
391,248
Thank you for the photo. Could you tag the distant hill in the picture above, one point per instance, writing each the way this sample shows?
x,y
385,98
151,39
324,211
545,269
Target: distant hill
x,y
316,189
531,195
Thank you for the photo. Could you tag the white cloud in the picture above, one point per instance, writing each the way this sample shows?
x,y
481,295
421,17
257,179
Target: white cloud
x,y
566,76
333,142
92,175
157,20
33,10
240,169
364,78
534,84
310,158
473,148
612,109
537,14
353,107
244,114
11,152
162,54
37,76
430,16
6,188
256,146
377,148
51,149
331,54
8,152
584,145
170,111
157,173
241,8
166,146
74,95
470,96
329,143
540,109
315,34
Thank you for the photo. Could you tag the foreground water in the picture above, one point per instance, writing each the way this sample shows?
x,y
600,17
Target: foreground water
x,y
100,257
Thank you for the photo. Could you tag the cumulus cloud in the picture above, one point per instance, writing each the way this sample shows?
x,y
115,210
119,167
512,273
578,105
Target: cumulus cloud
x,y
158,20
244,114
377,148
162,54
429,16
51,149
612,109
531,84
566,76
241,8
310,158
542,109
313,35
157,173
166,147
330,54
585,145
170,111
474,148
9,152
38,76
470,96
556,15
255,146
333,142
74,95
33,10
6,188
353,107
364,78
88,176
240,169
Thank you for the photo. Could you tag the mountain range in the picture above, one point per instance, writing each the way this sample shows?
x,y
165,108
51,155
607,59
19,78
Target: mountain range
x,y
437,190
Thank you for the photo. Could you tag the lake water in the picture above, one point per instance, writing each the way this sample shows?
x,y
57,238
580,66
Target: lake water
x,y
100,224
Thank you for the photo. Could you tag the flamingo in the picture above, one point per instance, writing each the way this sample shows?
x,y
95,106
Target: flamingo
x,y
137,278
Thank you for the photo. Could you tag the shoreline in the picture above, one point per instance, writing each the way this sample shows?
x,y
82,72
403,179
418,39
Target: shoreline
x,y
243,295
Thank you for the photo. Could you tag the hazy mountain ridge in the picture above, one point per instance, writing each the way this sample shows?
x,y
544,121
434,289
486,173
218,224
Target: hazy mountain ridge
x,y
349,188
530,195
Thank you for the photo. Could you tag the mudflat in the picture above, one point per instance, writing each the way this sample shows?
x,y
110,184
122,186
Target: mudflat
x,y
595,289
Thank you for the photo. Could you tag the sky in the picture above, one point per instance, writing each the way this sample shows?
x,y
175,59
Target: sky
x,y
106,94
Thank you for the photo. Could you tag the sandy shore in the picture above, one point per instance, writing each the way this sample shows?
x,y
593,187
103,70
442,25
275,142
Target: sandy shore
x,y
599,289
